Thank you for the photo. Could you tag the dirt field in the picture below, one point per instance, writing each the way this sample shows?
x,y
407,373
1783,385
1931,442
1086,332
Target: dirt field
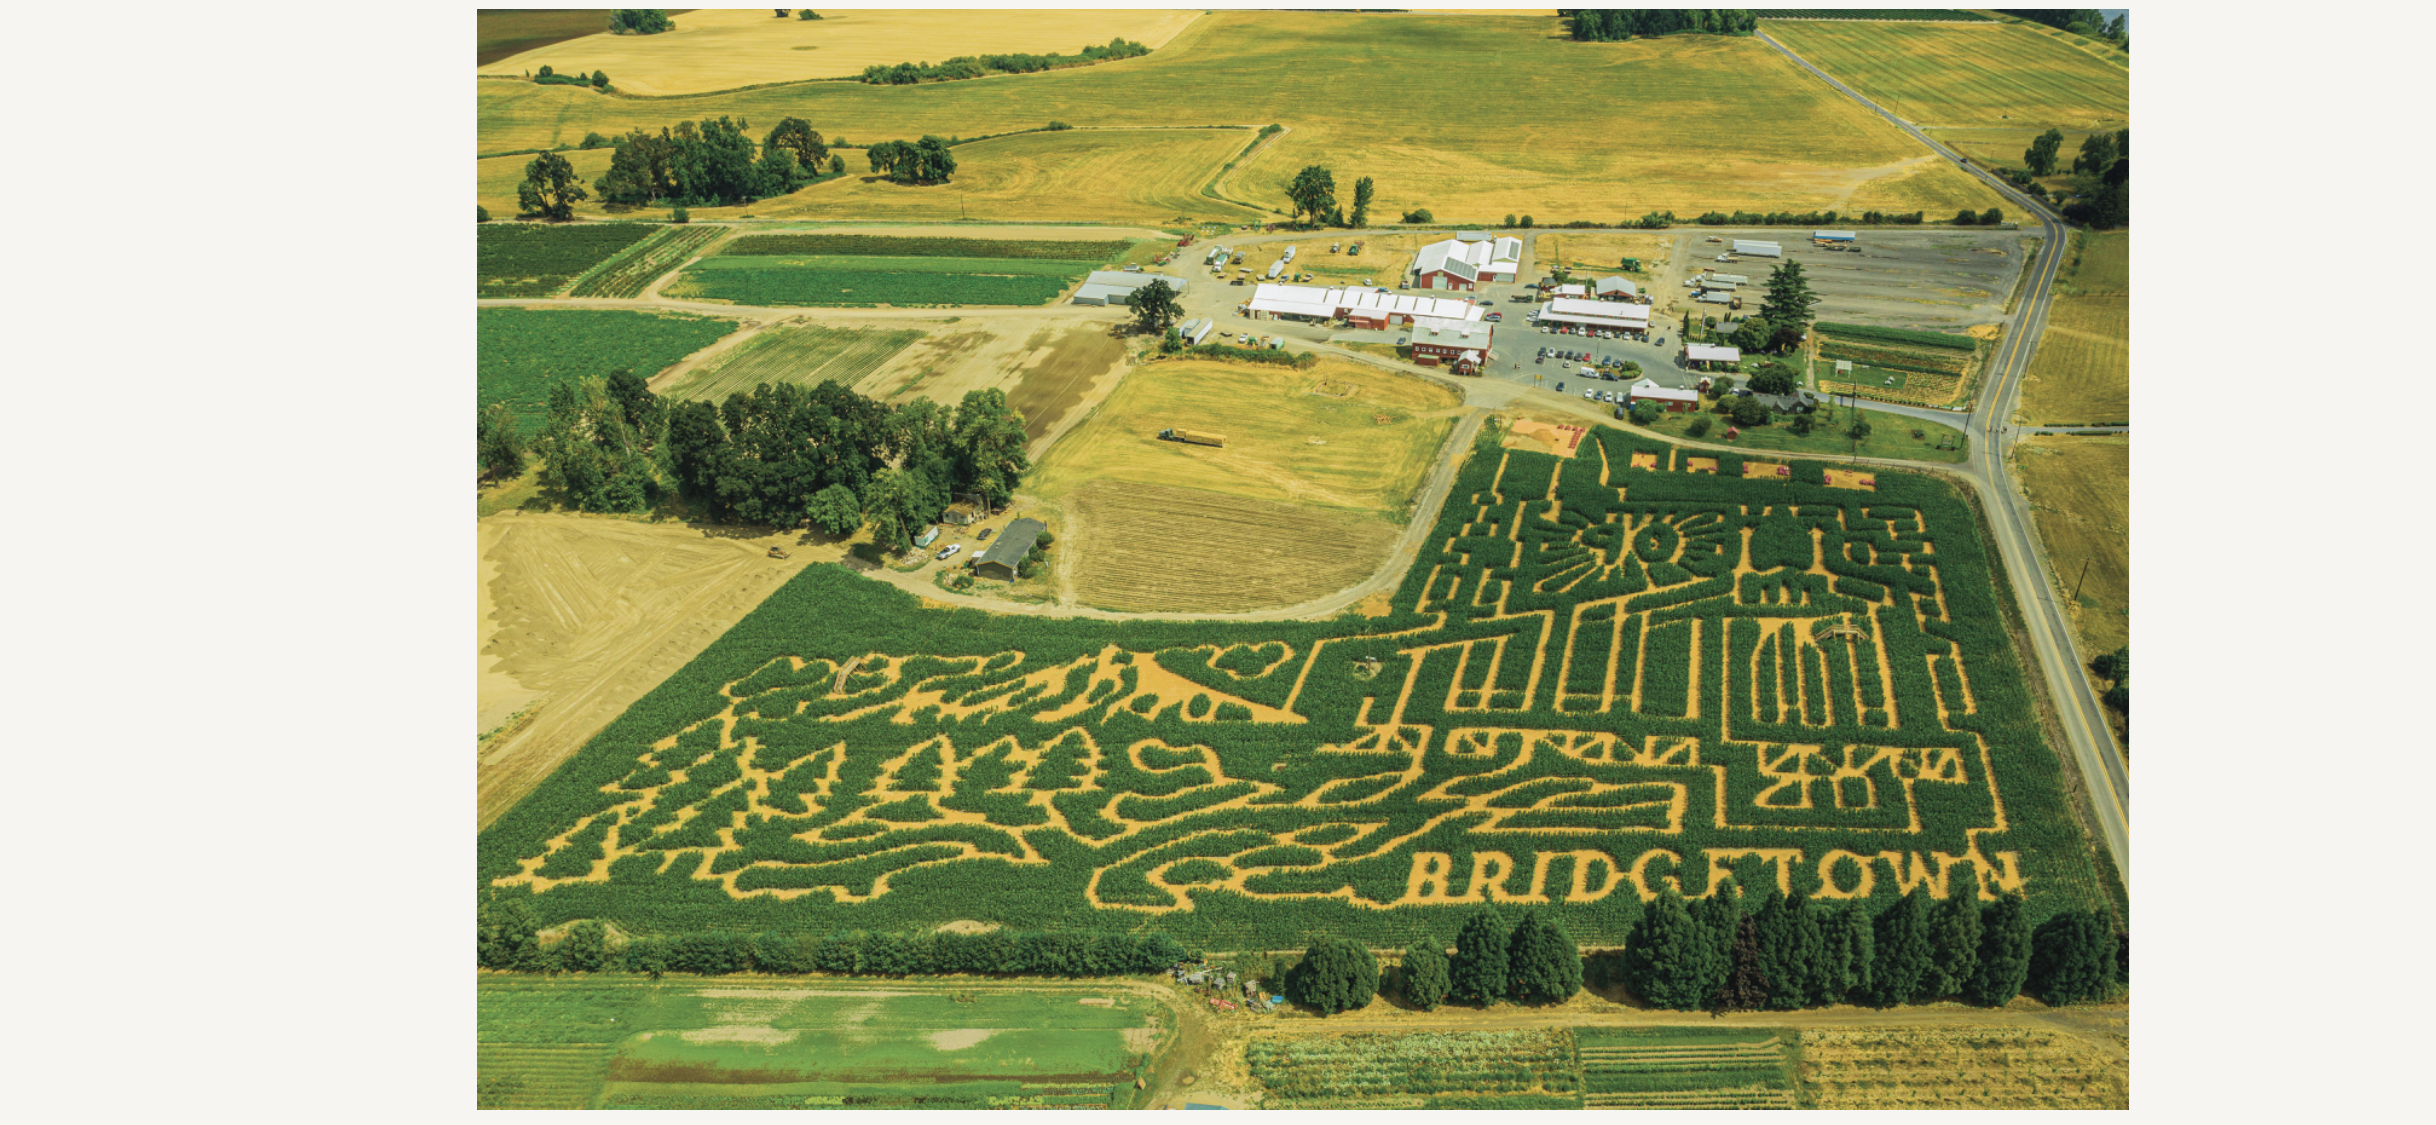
x,y
579,616
1936,280
1150,547
2080,494
722,49
1073,365
1283,442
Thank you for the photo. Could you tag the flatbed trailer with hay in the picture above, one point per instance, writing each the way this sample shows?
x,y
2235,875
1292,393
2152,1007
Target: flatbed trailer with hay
x,y
1193,437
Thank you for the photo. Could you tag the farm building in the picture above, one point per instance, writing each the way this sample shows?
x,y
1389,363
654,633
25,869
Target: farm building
x,y
1459,344
1596,314
1577,292
1832,236
1706,353
1456,264
1360,305
1612,287
1758,249
1012,545
1471,236
1111,287
1676,400
1194,330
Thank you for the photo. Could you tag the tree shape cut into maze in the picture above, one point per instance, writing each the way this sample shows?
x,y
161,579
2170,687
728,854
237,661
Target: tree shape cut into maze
x,y
1589,684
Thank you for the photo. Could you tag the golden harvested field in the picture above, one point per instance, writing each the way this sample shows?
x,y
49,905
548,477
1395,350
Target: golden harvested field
x,y
810,355
1118,175
1965,74
1601,253
1962,1068
2080,494
1385,255
722,49
2081,372
1686,123
495,182
1283,442
1145,547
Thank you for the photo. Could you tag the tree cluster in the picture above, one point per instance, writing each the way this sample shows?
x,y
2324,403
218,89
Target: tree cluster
x,y
1533,962
640,21
547,77
1988,218
1793,953
710,163
2115,667
926,161
978,66
2088,23
507,938
1606,25
2102,178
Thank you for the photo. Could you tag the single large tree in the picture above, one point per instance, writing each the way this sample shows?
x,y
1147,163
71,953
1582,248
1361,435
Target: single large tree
x,y
497,444
1667,955
1480,970
550,188
796,136
1424,977
2097,154
988,439
1543,964
1954,935
2004,954
2039,158
1336,975
2073,958
1154,307
893,502
1313,192
1787,305
1361,202
1903,952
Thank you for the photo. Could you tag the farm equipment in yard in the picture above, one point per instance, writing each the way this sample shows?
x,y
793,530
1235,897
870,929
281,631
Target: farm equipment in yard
x,y
1193,437
778,553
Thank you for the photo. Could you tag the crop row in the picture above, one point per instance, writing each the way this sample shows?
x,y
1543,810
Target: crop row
x,y
632,272
1946,340
1895,15
779,285
1895,358
884,246
1917,392
533,260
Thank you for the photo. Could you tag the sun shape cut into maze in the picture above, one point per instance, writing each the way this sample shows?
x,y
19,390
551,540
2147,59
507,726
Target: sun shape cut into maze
x,y
1576,669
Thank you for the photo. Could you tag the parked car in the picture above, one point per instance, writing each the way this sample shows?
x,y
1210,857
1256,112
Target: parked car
x,y
1560,385
951,550
1496,318
985,534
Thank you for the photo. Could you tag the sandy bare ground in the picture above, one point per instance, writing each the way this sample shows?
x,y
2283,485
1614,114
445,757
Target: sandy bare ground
x,y
578,616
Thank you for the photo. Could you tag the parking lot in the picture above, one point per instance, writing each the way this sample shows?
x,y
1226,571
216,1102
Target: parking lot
x,y
1939,280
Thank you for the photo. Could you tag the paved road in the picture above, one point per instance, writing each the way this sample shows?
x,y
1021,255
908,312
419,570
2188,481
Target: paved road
x,y
2077,707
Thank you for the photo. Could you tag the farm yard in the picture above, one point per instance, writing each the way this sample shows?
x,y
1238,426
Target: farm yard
x,y
1946,280
1573,699
537,261
806,354
634,1043
1147,547
2081,373
862,271
519,352
1949,75
1798,144
713,49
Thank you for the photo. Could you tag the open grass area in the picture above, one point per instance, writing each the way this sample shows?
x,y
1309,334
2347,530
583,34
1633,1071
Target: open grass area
x,y
795,355
2080,494
495,180
1949,74
619,1042
1602,253
1686,123
2081,372
716,49
1282,441
1890,435
520,352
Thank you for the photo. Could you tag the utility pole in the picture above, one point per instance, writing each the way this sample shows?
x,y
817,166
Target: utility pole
x,y
2076,583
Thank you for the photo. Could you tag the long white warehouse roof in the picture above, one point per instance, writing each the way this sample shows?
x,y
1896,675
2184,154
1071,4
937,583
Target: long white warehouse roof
x,y
1649,388
1358,300
1709,352
1431,330
1605,314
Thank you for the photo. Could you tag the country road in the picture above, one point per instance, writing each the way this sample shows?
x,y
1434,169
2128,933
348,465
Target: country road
x,y
2078,711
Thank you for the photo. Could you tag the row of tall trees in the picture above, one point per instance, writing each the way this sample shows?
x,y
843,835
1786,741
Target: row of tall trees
x,y
713,162
1604,25
775,455
978,66
2089,23
1532,962
1792,953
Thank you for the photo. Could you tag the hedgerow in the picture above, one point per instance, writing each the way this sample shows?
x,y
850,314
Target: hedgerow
x,y
1582,691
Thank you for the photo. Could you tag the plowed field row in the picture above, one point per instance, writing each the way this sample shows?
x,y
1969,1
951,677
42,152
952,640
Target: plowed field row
x,y
630,275
1145,547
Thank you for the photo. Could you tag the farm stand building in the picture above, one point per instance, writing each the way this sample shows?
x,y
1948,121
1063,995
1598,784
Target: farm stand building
x,y
1675,399
1706,353
1016,542
1616,288
1458,264
1360,305
1458,344
1616,315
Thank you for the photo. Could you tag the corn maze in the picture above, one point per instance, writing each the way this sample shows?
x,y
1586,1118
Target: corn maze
x,y
1597,680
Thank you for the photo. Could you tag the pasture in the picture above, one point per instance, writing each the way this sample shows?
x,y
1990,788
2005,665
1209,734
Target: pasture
x,y
634,1043
1364,451
1684,123
715,49
1147,547
1592,682
496,177
1987,75
519,353
807,355
533,260
2080,494
2081,372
